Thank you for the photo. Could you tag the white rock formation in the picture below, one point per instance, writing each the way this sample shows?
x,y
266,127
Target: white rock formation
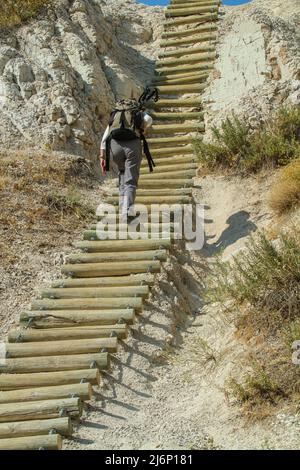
x,y
60,73
258,65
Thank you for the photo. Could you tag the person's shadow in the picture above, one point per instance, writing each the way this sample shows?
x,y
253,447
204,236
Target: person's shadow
x,y
239,227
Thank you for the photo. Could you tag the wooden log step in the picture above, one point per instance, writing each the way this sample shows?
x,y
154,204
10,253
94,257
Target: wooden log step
x,y
45,379
65,318
156,192
52,364
174,103
87,304
120,245
188,50
170,159
179,150
50,442
97,257
180,12
187,59
202,28
189,40
207,17
149,231
175,174
144,233
40,409
184,2
177,128
95,232
96,292
181,88
169,140
83,391
168,168
108,269
37,427
132,280
53,334
171,117
61,348
168,183
146,200
192,4
175,76
196,78
195,67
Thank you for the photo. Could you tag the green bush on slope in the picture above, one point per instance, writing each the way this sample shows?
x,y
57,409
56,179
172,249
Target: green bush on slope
x,y
236,147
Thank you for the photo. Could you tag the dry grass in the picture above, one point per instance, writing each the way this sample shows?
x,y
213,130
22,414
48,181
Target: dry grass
x,y
285,195
14,12
42,201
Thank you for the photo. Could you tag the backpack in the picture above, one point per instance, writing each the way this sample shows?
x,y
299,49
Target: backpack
x,y
126,121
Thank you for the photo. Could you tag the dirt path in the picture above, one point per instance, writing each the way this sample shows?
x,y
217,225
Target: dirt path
x,y
166,387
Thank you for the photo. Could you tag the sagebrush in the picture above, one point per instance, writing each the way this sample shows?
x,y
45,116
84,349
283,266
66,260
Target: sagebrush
x,y
261,288
238,148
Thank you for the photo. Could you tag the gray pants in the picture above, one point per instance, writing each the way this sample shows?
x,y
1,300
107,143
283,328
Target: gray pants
x,y
127,155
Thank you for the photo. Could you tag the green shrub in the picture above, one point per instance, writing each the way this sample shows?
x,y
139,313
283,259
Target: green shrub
x,y
14,12
264,277
235,147
261,287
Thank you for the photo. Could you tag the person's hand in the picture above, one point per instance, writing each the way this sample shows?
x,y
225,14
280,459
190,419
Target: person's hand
x,y
103,165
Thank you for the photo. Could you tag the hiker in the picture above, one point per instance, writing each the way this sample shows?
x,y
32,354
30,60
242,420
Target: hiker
x,y
122,142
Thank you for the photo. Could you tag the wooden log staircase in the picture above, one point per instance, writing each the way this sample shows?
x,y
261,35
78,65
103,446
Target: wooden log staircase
x,y
52,360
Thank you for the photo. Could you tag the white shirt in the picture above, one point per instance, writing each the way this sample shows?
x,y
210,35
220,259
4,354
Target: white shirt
x,y
147,122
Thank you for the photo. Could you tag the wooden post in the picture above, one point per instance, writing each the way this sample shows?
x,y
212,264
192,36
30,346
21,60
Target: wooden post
x,y
174,128
51,442
52,334
170,140
175,116
167,183
190,31
179,12
61,348
188,51
162,175
65,318
120,246
45,379
118,255
189,39
188,59
53,363
62,426
179,89
109,269
40,409
131,280
83,391
96,292
168,169
85,303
